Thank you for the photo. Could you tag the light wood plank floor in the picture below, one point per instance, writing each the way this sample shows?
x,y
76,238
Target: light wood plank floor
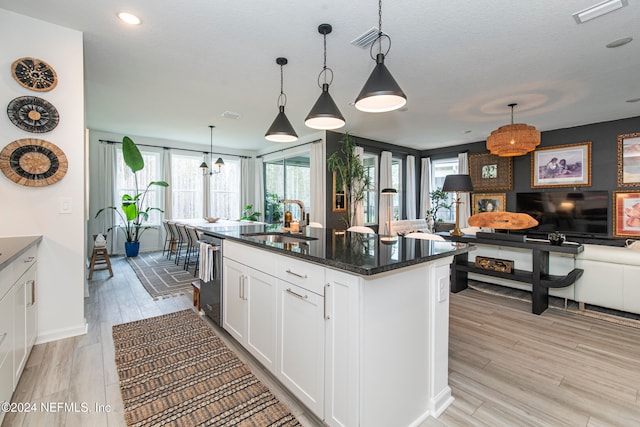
x,y
507,367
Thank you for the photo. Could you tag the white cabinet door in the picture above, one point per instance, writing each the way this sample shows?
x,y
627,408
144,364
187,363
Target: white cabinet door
x,y
19,329
6,349
234,308
301,344
341,350
31,308
261,297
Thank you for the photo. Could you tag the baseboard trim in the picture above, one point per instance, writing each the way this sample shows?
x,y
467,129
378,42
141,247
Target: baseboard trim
x,y
60,334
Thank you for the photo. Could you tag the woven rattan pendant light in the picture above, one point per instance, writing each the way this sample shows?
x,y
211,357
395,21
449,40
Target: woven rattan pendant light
x,y
516,139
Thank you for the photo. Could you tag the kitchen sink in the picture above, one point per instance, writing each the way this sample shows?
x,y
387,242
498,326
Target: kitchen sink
x,y
279,237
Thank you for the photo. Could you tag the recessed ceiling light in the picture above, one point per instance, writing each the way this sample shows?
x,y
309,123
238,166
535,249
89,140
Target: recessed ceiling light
x,y
620,42
598,10
633,100
129,18
230,115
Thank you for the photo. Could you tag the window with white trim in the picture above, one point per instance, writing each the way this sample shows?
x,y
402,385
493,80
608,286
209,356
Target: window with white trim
x,y
225,190
186,186
439,171
126,183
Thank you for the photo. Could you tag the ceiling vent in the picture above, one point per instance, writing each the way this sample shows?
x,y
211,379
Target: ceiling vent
x,y
230,115
364,41
597,10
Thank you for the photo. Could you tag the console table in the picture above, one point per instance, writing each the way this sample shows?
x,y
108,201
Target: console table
x,y
538,277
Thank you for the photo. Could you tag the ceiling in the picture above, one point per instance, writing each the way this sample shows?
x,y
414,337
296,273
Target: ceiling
x,y
459,62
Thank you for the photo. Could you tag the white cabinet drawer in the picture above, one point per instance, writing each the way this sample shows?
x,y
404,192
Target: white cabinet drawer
x,y
304,274
260,259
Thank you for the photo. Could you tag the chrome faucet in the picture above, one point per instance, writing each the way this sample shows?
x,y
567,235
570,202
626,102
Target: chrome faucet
x,y
302,221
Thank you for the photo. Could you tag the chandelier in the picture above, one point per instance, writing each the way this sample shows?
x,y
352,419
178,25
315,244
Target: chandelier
x,y
513,140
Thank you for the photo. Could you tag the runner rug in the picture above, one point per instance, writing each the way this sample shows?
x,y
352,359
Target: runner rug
x,y
175,371
161,277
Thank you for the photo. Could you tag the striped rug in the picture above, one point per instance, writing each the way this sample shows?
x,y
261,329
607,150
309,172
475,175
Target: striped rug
x,y
174,371
161,277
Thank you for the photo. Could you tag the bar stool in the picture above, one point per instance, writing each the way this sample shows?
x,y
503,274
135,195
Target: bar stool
x,y
100,258
169,240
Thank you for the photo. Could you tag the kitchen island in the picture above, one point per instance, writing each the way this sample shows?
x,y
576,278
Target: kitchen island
x,y
355,325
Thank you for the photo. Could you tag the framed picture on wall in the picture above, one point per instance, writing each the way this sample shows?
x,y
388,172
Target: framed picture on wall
x,y
490,172
629,160
488,202
561,166
626,214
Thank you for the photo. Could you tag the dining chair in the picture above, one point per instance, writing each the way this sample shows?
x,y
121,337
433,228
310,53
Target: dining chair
x,y
425,236
361,229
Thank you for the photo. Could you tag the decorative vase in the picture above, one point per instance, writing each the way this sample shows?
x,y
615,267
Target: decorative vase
x,y
132,248
431,223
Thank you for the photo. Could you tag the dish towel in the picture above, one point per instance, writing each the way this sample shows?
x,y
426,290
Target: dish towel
x,y
207,267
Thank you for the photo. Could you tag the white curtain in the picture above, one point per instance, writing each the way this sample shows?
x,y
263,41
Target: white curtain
x,y
425,187
166,176
358,209
410,185
107,196
258,173
384,201
206,193
318,183
463,168
246,196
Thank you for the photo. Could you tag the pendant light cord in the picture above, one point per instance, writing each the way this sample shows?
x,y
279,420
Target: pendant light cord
x,y
282,96
379,26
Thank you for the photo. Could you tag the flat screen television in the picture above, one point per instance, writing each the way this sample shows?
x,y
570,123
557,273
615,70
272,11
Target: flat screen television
x,y
576,213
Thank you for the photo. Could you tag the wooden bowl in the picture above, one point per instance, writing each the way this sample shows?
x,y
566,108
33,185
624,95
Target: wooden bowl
x,y
211,219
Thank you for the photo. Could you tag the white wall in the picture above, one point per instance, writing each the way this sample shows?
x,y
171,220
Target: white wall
x,y
35,211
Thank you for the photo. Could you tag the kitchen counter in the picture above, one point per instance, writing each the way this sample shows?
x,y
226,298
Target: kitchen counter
x,y
12,247
362,254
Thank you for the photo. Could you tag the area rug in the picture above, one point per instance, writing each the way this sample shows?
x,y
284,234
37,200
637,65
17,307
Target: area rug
x,y
160,276
175,371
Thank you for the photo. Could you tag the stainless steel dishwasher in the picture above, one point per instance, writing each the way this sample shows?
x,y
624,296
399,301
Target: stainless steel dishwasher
x,y
211,291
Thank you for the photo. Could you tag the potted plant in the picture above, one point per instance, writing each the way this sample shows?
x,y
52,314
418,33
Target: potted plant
x,y
133,212
248,214
439,199
351,176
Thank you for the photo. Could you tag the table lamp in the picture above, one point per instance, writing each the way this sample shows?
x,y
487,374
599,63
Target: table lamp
x,y
457,184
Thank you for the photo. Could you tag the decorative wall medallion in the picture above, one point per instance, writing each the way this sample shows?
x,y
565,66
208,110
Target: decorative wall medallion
x,y
33,162
33,114
34,74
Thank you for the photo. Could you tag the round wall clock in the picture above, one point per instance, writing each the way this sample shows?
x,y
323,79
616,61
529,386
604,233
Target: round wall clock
x,y
33,162
34,74
33,114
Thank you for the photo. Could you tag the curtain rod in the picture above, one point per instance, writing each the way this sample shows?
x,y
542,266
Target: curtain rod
x,y
181,149
288,148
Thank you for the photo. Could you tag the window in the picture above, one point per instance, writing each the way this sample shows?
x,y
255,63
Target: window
x,y
396,182
126,183
370,162
186,186
287,176
439,170
225,190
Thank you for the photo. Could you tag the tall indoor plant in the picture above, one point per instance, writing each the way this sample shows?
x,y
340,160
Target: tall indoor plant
x,y
132,211
350,175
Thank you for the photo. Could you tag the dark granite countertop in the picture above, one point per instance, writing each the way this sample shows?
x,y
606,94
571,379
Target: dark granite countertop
x,y
363,254
12,247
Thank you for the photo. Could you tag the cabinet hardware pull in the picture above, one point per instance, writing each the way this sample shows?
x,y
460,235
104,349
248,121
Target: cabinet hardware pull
x,y
297,294
297,275
244,288
33,291
29,259
240,280
326,296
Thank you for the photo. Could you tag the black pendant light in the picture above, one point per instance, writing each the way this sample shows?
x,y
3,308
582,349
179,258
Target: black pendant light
x,y
380,93
281,129
325,113
203,166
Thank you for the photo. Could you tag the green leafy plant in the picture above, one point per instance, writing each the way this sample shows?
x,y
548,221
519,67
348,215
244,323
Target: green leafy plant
x,y
273,208
439,200
351,175
131,212
248,214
